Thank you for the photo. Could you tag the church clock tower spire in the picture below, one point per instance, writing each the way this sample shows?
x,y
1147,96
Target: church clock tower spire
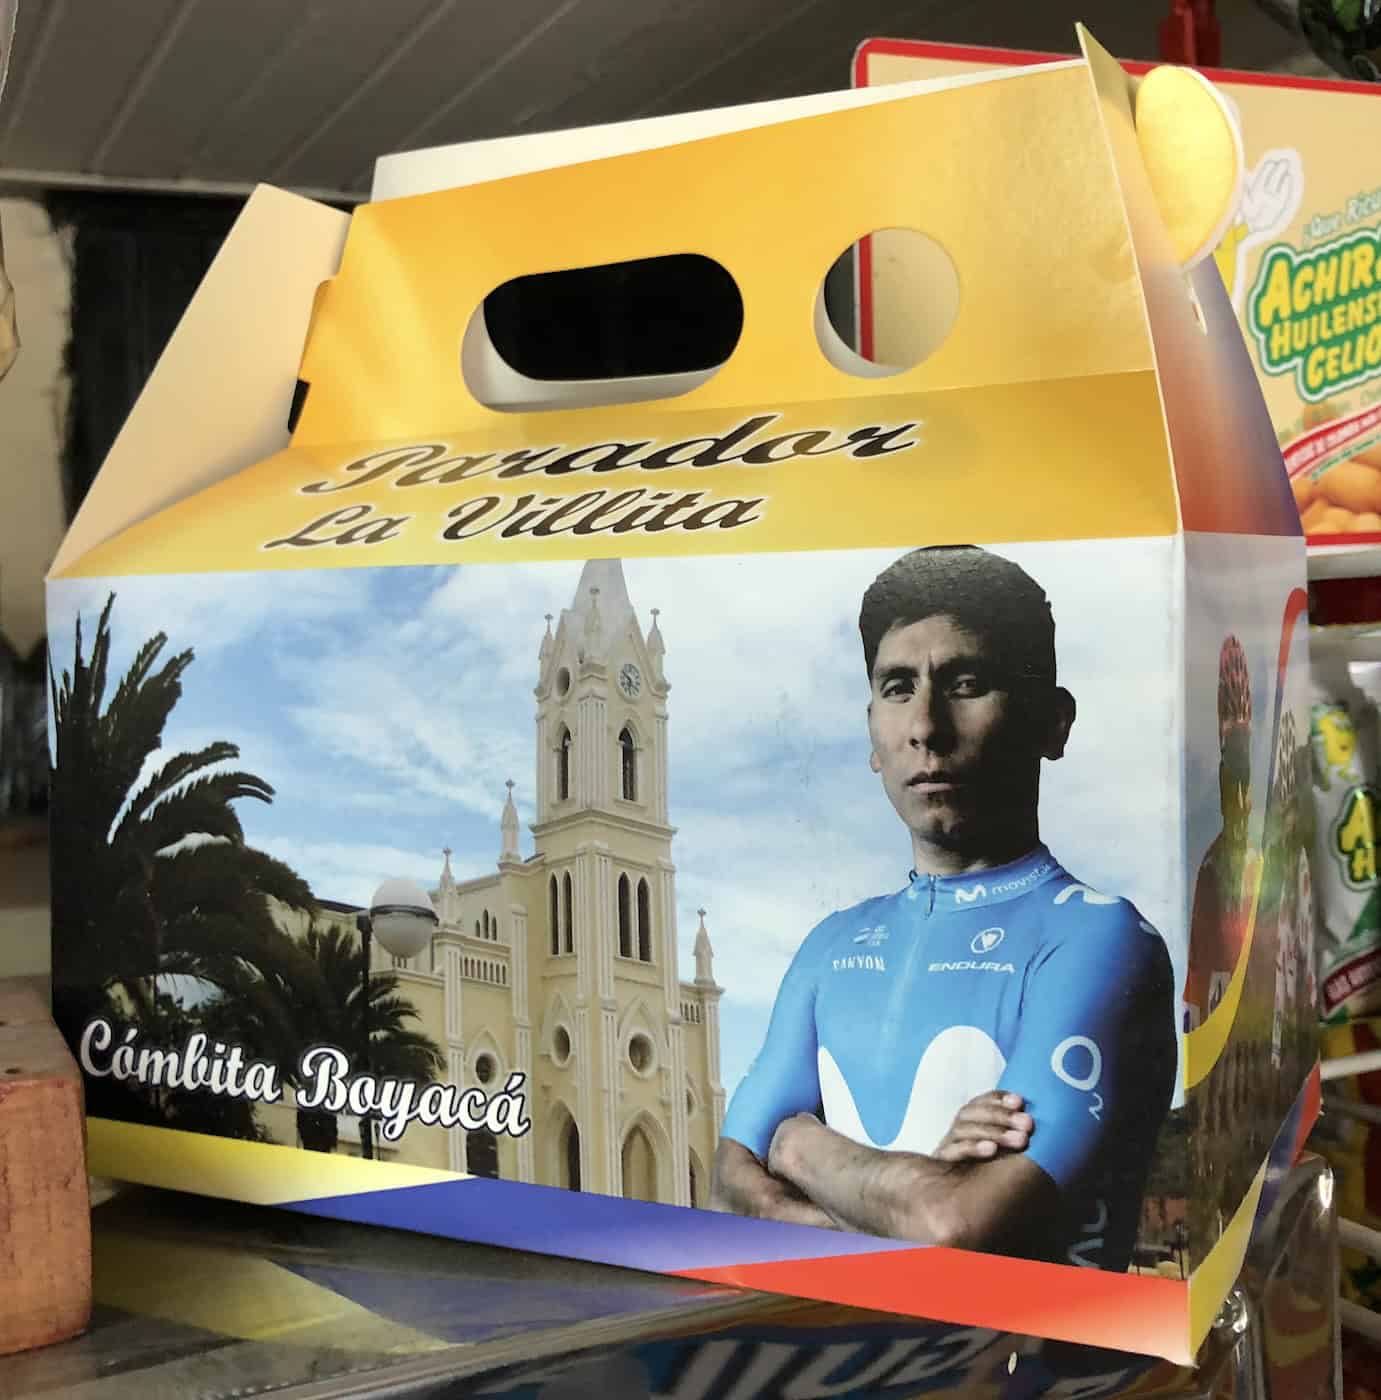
x,y
601,711
605,846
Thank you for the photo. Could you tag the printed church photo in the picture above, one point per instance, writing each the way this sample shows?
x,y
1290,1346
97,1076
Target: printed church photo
x,y
561,963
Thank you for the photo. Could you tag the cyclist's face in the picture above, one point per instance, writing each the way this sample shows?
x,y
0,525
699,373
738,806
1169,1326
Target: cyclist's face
x,y
955,757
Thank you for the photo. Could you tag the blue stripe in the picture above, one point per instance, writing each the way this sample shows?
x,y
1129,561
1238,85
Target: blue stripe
x,y
580,1225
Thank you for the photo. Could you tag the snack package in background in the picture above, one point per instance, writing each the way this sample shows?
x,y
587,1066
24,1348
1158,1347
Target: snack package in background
x,y
1366,676
1347,922
1352,1145
1361,1368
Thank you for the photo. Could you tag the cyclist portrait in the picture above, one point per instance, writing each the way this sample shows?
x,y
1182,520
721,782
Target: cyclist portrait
x,y
984,1057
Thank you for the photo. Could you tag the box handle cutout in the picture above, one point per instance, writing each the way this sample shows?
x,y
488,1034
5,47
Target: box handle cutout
x,y
907,265
625,332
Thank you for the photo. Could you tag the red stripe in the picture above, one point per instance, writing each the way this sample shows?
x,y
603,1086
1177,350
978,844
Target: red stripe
x,y
1296,605
1327,438
1365,537
1020,58
1309,1109
865,298
1126,1312
1344,602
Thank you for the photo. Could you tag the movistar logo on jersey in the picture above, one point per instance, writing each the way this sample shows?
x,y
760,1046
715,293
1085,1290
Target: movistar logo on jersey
x,y
1034,876
861,962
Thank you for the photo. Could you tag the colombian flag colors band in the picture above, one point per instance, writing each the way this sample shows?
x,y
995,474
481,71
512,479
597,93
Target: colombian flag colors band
x,y
1134,1313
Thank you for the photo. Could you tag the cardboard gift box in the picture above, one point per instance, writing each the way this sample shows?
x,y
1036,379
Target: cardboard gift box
x,y
1300,258
887,744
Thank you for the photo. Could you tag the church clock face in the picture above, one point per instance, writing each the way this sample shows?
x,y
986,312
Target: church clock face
x,y
630,680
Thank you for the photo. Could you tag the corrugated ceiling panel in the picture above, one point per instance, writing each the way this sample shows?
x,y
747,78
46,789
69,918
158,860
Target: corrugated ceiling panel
x,y
309,71
476,57
214,58
308,92
74,64
581,45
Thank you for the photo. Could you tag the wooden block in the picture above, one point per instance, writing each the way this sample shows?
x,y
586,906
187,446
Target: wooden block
x,y
45,1213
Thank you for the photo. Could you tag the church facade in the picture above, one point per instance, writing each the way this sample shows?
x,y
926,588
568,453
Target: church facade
x,y
562,965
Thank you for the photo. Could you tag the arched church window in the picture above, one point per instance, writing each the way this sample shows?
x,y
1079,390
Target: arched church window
x,y
477,929
628,765
570,1152
644,922
482,1154
639,1166
554,916
625,918
568,909
563,766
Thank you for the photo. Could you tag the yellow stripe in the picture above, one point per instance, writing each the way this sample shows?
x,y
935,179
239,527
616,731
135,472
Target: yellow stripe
x,y
260,1173
254,1298
1210,1283
1206,1043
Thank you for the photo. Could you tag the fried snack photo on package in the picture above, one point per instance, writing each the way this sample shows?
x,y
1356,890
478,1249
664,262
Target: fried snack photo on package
x,y
758,824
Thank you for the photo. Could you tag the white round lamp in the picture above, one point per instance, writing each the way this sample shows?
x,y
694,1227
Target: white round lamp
x,y
402,917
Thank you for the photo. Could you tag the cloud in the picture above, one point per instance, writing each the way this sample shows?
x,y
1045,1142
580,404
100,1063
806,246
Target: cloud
x,y
350,872
209,612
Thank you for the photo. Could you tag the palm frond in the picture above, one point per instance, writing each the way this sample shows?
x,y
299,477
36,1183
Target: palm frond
x,y
201,808
167,778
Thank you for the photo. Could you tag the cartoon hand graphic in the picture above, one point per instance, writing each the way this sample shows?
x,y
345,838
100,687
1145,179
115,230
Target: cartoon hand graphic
x,y
1270,196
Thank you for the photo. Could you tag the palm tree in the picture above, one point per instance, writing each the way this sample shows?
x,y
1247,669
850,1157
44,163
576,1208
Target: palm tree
x,y
155,869
313,995
151,877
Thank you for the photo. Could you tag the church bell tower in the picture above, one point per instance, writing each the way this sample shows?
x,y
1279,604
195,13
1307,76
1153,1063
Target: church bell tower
x,y
602,832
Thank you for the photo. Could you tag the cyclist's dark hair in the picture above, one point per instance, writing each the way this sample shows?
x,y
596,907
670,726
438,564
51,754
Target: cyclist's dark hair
x,y
984,593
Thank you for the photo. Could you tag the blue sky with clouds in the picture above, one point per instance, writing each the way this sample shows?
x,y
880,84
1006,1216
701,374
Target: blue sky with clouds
x,y
388,706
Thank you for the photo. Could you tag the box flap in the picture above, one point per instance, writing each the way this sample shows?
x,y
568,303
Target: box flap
x,y
1035,228
1050,304
219,397
473,162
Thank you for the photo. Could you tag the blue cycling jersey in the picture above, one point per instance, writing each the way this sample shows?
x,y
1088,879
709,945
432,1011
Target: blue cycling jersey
x,y
897,1012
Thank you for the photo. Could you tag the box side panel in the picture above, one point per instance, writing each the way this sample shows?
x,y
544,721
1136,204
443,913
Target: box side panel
x,y
1248,1003
602,1004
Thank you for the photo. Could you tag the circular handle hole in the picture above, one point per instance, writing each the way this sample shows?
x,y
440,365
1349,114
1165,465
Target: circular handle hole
x,y
888,302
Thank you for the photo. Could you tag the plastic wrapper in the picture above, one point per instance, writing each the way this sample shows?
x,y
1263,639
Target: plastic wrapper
x,y
1346,928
